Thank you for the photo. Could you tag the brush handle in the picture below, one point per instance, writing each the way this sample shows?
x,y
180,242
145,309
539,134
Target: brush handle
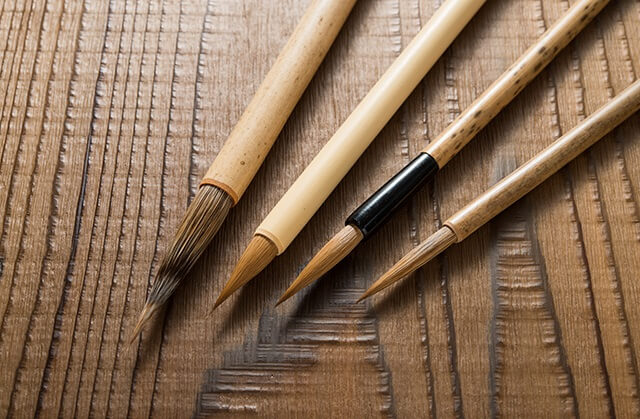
x,y
335,159
546,163
382,204
512,81
251,139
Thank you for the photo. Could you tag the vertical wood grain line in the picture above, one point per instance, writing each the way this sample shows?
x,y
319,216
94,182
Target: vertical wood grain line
x,y
127,198
55,332
575,218
20,45
626,178
161,319
142,187
9,195
101,249
4,47
193,182
7,201
612,260
557,134
94,106
27,335
156,241
163,210
79,213
124,200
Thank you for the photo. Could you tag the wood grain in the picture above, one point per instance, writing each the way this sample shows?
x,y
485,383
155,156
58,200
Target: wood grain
x,y
110,114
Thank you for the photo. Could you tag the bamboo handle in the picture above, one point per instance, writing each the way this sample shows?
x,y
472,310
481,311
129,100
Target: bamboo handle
x,y
512,81
259,126
543,165
335,159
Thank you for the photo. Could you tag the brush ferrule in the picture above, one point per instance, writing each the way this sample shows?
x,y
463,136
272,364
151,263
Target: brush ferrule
x,y
381,205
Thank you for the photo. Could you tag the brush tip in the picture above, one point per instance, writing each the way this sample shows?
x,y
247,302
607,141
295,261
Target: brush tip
x,y
283,298
219,301
258,254
418,256
336,249
146,314
368,293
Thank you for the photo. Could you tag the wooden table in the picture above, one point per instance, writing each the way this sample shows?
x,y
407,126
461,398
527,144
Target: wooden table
x,y
110,112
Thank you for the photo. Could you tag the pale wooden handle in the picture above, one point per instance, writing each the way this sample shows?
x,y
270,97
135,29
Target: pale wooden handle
x,y
512,81
259,126
335,159
550,160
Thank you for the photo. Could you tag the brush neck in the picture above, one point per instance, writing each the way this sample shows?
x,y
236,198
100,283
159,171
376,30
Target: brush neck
x,y
382,204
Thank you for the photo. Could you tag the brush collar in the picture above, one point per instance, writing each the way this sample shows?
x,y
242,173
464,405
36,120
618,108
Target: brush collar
x,y
379,207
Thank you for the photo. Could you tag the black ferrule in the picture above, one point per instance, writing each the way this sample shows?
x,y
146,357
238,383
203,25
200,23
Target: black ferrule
x,y
375,210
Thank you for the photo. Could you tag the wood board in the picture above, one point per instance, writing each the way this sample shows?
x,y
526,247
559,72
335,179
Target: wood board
x,y
112,111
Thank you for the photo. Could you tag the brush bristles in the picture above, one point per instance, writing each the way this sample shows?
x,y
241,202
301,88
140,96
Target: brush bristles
x,y
200,224
258,254
420,255
329,256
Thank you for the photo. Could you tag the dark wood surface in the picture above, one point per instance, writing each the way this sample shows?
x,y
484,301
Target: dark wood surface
x,y
110,112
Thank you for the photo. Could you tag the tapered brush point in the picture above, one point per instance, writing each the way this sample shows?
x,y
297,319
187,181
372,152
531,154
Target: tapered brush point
x,y
329,256
258,254
219,301
362,297
147,313
417,257
284,297
201,222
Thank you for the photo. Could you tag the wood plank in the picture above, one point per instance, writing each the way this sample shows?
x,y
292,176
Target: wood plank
x,y
110,112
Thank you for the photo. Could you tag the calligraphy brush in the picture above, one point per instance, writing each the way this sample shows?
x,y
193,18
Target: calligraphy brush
x,y
332,163
247,146
513,187
378,208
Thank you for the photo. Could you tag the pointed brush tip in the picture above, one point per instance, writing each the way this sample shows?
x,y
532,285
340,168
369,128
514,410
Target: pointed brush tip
x,y
259,253
284,297
145,316
332,253
373,289
221,299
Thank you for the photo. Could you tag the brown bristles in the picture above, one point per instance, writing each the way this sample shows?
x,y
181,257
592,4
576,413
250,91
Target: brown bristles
x,y
329,256
420,255
258,254
201,222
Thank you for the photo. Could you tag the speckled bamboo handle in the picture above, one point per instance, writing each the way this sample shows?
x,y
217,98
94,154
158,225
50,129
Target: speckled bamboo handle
x,y
512,81
543,165
259,126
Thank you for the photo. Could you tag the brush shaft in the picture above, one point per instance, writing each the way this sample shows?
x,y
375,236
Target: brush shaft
x,y
543,165
512,81
259,126
381,205
335,159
